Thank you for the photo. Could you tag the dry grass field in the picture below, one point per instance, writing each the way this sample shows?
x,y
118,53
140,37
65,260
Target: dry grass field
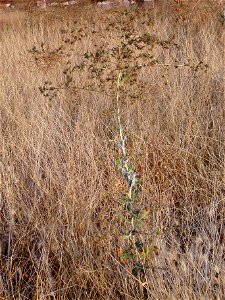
x,y
59,186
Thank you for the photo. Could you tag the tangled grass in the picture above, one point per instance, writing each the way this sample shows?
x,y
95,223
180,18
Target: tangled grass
x,y
59,187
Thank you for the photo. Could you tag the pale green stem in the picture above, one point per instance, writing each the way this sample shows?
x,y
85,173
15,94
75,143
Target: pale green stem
x,y
118,109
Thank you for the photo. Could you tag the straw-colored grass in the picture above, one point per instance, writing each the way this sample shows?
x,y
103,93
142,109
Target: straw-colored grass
x,y
59,188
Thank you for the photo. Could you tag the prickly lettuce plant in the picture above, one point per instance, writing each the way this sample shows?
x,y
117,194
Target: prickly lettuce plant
x,y
116,70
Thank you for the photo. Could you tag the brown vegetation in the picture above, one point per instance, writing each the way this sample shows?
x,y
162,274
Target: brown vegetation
x,y
59,187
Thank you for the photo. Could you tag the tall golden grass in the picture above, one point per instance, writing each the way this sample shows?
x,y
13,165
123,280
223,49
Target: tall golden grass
x,y
59,188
